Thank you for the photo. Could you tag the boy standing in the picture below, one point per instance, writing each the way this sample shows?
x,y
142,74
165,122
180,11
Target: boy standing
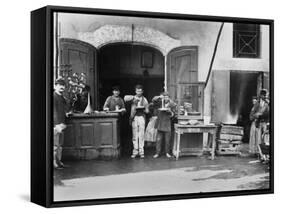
x,y
166,109
139,107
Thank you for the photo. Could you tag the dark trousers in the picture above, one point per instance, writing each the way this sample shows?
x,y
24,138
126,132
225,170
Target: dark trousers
x,y
159,140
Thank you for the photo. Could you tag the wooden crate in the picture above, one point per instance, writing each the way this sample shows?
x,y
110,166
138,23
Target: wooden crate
x,y
230,137
228,149
232,130
229,140
221,141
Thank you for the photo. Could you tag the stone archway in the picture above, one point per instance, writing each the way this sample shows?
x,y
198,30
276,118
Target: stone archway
x,y
108,34
140,34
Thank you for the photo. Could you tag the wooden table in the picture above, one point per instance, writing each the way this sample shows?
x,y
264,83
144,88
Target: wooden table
x,y
183,129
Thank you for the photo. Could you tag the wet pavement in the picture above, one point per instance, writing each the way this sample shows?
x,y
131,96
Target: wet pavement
x,y
136,177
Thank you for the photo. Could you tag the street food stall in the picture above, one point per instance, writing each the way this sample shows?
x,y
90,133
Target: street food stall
x,y
89,134
191,120
92,136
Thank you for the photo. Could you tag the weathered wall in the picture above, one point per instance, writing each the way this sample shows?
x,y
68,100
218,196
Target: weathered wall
x,y
108,34
225,61
162,34
173,32
176,33
220,95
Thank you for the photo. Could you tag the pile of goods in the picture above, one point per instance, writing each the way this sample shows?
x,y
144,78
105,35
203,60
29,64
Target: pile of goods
x,y
229,139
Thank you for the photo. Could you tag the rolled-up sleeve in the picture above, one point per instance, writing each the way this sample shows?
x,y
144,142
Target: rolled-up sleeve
x,y
106,103
145,102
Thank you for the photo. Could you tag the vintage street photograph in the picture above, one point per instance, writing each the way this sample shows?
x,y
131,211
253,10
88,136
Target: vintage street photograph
x,y
146,106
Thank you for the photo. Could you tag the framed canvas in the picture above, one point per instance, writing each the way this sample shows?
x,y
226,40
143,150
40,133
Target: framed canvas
x,y
147,59
132,106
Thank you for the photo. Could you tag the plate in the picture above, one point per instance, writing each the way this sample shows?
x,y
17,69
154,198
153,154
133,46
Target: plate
x,y
140,107
183,122
194,113
115,111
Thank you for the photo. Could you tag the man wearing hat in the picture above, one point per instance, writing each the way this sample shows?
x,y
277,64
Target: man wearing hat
x,y
166,108
60,109
114,102
260,116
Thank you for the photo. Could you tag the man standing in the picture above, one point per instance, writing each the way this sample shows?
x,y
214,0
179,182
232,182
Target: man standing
x,y
260,116
139,107
253,148
59,108
114,102
166,108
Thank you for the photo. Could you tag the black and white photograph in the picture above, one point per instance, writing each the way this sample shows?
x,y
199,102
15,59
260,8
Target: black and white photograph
x,y
140,107
146,106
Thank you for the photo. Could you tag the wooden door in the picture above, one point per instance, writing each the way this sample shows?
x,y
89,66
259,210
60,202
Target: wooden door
x,y
266,80
80,57
182,66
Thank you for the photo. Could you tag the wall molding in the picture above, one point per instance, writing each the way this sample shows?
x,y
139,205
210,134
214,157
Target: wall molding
x,y
109,34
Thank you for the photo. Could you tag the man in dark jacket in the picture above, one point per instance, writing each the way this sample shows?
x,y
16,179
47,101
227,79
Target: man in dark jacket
x,y
59,108
166,108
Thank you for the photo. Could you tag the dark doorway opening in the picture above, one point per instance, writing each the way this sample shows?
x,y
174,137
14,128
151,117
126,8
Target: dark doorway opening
x,y
126,65
243,86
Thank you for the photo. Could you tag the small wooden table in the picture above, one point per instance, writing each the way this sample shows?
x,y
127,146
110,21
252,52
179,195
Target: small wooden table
x,y
202,128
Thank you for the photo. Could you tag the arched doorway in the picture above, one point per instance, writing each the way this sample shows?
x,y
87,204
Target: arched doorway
x,y
125,65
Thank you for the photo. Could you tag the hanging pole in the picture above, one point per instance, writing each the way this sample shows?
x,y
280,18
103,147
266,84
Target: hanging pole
x,y
214,55
133,29
165,73
57,48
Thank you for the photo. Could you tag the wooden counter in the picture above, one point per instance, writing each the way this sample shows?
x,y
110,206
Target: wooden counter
x,y
92,136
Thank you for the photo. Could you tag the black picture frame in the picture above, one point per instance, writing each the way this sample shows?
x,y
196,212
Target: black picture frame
x,y
41,105
147,59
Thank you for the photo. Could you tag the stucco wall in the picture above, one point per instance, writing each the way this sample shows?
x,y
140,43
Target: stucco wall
x,y
175,33
225,61
180,33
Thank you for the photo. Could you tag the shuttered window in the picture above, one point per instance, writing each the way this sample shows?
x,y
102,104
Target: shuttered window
x,y
246,40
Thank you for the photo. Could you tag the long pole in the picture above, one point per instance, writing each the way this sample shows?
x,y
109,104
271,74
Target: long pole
x,y
214,54
165,72
57,48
